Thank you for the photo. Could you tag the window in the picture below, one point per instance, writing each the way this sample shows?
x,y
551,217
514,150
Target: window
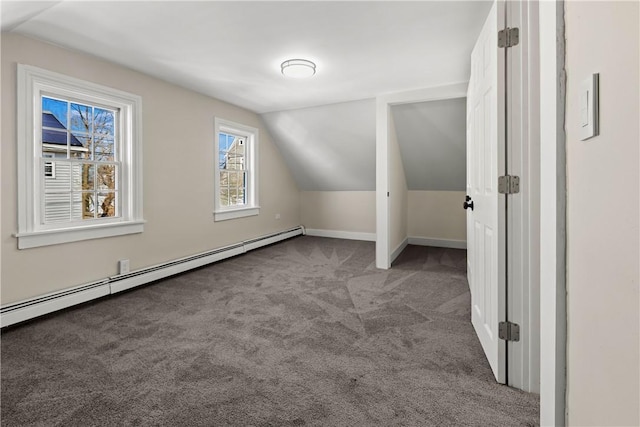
x,y
79,160
236,189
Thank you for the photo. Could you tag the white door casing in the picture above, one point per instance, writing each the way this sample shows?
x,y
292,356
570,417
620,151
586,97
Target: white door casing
x,y
486,160
523,210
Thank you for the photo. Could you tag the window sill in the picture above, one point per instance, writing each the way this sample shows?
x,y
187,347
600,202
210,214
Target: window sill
x,y
54,237
235,213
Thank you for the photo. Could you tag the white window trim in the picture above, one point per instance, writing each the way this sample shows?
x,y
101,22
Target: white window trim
x,y
32,83
252,208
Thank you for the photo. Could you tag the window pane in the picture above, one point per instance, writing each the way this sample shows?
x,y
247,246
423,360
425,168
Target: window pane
x,y
57,207
88,177
80,147
61,181
231,152
223,139
54,113
107,177
224,142
103,122
83,177
235,155
54,131
237,195
233,196
104,148
238,146
54,143
107,204
87,202
81,119
224,188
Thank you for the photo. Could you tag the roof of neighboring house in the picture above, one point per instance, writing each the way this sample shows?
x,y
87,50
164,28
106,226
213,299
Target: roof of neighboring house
x,y
50,136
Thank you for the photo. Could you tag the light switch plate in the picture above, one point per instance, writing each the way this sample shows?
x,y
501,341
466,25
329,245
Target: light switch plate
x,y
589,102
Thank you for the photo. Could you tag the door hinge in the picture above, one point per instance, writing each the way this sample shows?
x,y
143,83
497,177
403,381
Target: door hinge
x,y
509,331
508,184
508,37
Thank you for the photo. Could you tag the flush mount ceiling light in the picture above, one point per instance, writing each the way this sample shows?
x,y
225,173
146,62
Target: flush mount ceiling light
x,y
298,68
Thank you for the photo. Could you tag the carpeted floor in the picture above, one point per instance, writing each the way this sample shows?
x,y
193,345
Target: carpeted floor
x,y
304,332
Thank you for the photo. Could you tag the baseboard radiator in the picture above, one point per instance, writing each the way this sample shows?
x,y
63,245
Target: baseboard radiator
x,y
25,310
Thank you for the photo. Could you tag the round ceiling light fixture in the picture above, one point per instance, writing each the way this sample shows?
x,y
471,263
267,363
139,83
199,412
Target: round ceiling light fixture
x,y
298,68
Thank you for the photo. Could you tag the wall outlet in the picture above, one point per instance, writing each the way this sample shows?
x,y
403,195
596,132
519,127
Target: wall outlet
x,y
123,266
277,216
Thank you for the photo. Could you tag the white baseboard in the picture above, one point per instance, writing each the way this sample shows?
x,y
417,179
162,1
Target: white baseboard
x,y
131,280
259,242
45,304
397,251
438,243
339,234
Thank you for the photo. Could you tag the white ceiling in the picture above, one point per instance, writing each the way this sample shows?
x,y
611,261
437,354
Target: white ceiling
x,y
232,50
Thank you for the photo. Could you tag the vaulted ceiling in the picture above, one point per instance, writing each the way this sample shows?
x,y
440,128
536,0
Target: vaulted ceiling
x,y
232,51
433,140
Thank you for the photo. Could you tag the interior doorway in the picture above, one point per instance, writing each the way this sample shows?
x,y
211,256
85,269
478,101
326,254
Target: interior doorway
x,y
519,292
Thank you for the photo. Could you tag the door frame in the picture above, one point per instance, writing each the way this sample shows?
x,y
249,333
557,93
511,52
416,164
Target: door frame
x,y
383,115
549,101
523,212
551,77
540,80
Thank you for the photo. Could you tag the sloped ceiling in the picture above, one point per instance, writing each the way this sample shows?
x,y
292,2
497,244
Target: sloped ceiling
x,y
432,138
328,148
333,147
233,50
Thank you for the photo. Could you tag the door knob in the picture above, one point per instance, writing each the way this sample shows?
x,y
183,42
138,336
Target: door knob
x,y
468,203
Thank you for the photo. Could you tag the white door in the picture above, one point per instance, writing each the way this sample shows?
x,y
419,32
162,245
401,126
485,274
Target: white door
x,y
485,161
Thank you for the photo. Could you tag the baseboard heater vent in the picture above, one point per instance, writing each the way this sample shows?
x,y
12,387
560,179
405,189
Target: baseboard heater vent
x,y
44,304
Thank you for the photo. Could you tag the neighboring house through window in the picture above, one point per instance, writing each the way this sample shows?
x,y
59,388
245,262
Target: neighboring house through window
x,y
79,160
49,167
236,189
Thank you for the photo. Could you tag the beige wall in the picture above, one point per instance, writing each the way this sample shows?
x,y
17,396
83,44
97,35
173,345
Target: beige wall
x,y
437,215
430,214
178,179
603,217
397,190
339,210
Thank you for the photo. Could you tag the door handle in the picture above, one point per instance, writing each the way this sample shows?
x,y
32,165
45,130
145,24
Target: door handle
x,y
468,203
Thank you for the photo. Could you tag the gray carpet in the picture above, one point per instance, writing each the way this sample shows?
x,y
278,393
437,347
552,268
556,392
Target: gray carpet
x,y
304,332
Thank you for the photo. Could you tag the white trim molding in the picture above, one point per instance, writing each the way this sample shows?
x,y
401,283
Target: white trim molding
x,y
65,235
340,234
552,245
54,301
401,247
384,255
236,213
251,134
33,84
438,243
